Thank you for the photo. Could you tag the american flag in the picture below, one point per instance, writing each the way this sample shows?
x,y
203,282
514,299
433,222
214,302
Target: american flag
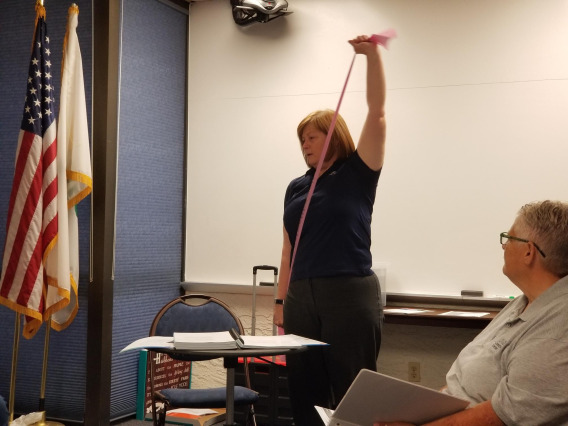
x,y
32,226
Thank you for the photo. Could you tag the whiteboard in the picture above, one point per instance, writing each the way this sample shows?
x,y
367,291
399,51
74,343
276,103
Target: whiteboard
x,y
476,107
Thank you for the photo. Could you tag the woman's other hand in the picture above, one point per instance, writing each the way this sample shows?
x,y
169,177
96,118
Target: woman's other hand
x,y
278,315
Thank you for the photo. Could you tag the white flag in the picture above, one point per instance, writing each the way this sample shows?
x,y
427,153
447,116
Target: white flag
x,y
74,164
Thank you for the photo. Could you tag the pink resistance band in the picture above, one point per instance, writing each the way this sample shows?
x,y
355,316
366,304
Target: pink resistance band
x,y
381,39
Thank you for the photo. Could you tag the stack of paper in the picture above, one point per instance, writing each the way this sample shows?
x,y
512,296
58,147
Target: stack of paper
x,y
204,341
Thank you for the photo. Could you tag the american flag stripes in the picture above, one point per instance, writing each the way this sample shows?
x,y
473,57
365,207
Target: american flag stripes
x,y
32,224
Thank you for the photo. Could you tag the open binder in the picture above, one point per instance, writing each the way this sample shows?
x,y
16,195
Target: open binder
x,y
374,397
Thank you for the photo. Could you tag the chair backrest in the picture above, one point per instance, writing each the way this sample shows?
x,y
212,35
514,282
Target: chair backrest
x,y
194,313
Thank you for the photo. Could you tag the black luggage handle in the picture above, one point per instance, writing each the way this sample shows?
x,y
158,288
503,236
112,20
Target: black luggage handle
x,y
265,268
262,268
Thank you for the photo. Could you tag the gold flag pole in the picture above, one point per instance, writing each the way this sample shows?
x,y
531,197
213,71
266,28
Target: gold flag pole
x,y
43,422
14,367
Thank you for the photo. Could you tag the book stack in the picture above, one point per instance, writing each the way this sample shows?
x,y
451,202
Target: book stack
x,y
196,417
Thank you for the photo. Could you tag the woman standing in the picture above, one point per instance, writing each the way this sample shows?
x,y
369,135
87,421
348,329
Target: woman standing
x,y
333,295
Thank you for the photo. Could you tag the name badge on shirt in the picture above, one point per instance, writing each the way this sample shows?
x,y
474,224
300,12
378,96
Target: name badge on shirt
x,y
498,345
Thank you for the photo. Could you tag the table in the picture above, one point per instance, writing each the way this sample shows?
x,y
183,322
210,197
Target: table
x,y
230,362
433,317
436,305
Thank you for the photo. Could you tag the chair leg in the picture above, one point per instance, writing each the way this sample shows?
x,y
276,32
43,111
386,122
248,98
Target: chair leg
x,y
154,415
159,414
162,417
251,418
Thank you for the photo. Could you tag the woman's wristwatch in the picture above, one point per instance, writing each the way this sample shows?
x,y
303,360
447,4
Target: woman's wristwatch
x,y
278,301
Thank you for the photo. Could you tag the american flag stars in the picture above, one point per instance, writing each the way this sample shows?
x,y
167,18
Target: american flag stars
x,y
39,103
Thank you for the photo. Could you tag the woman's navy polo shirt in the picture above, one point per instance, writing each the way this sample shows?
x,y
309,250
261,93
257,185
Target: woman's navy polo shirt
x,y
336,237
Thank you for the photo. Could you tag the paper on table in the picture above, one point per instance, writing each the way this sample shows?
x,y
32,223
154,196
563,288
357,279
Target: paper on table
x,y
465,314
151,342
278,341
305,341
325,414
406,311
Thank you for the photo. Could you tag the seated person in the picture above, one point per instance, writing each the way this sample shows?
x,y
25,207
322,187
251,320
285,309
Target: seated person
x,y
515,372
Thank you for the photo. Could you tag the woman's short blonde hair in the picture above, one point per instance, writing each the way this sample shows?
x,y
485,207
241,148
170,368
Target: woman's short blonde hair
x,y
341,142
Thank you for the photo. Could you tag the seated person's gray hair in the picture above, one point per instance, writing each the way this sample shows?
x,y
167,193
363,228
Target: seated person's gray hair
x,y
546,223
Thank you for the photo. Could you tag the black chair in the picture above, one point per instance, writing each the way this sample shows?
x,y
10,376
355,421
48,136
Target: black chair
x,y
191,314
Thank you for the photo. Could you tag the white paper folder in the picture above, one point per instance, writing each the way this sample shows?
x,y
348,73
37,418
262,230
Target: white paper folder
x,y
374,397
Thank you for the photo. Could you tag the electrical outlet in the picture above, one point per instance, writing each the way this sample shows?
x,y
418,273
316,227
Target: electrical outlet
x,y
414,371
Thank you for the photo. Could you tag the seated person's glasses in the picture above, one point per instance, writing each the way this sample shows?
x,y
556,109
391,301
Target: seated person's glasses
x,y
505,237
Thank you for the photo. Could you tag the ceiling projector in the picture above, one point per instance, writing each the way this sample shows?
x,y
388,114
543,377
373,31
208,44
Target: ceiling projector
x,y
246,12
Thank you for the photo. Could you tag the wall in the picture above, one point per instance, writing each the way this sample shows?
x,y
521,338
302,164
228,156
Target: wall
x,y
150,181
435,348
477,95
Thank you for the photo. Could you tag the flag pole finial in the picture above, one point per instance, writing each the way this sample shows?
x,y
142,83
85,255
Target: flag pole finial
x,y
40,10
